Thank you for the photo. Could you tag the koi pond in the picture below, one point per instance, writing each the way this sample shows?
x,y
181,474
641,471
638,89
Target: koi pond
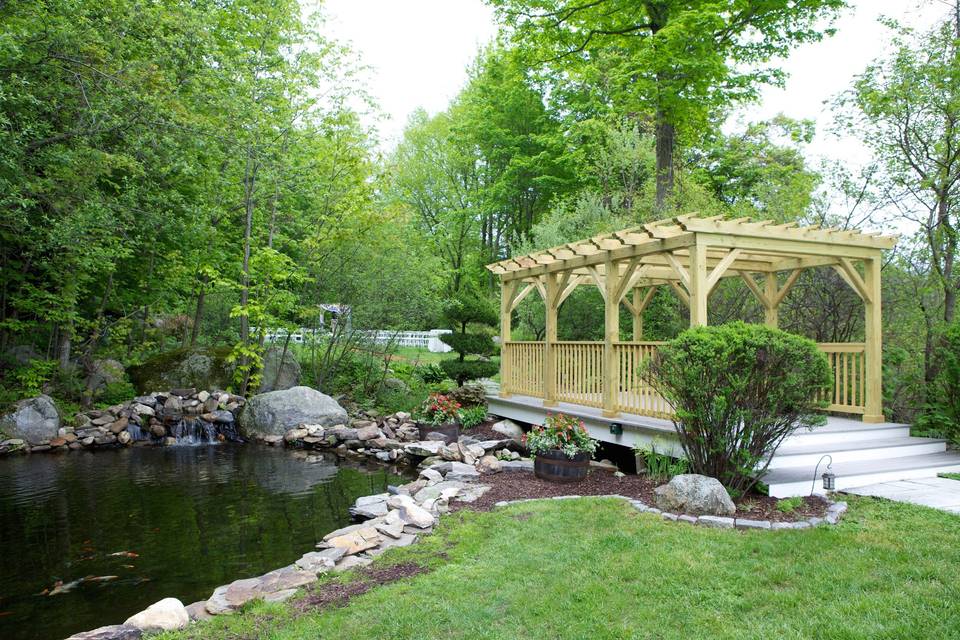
x,y
88,539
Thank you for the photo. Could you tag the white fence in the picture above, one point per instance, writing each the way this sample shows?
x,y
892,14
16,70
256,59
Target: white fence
x,y
429,340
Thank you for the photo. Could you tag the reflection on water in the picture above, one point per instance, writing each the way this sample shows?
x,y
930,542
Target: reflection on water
x,y
153,522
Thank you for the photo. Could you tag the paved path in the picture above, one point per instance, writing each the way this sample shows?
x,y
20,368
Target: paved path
x,y
939,493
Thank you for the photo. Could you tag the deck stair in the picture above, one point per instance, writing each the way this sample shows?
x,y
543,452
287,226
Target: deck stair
x,y
862,454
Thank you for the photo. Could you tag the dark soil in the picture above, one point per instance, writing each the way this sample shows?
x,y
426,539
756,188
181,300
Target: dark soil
x,y
513,485
338,594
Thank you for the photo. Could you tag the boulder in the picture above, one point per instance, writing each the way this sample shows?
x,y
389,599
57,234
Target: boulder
x,y
510,429
695,494
110,632
103,372
167,615
396,385
489,464
276,412
425,448
200,368
22,354
35,420
280,371
368,433
411,512
198,610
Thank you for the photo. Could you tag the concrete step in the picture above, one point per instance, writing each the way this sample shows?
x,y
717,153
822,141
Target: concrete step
x,y
806,454
796,481
841,430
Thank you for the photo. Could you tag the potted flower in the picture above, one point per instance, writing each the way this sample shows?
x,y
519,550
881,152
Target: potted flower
x,y
561,447
440,414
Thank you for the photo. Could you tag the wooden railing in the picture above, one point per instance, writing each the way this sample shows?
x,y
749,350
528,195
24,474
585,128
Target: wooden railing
x,y
580,372
522,368
635,393
579,375
848,391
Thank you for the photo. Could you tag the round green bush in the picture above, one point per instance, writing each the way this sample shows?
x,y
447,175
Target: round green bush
x,y
738,390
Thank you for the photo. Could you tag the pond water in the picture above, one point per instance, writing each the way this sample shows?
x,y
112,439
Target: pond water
x,y
145,523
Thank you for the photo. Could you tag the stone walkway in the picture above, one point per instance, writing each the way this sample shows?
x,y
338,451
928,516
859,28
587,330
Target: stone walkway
x,y
938,493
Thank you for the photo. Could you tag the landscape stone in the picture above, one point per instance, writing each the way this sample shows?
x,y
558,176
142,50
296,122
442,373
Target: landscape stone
x,y
746,523
695,494
357,541
168,614
110,632
715,522
510,429
280,370
276,412
35,420
411,512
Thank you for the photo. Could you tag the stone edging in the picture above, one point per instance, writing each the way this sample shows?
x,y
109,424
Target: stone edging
x,y
835,511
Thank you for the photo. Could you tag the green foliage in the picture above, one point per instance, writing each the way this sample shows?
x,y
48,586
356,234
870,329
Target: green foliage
x,y
32,377
738,390
430,373
560,432
942,414
658,465
473,416
472,344
116,393
462,371
788,505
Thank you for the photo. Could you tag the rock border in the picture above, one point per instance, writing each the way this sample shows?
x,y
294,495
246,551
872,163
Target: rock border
x,y
835,511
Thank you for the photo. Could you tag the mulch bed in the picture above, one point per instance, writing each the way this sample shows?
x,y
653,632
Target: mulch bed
x,y
515,485
338,594
483,431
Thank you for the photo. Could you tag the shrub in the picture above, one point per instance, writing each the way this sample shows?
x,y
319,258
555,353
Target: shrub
x,y
430,373
560,432
116,393
941,415
738,390
32,376
460,314
789,505
472,416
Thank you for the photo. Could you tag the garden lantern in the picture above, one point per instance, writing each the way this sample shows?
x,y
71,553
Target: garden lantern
x,y
616,428
829,481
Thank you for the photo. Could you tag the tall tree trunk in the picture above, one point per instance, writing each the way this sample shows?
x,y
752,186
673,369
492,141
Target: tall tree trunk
x,y
665,135
249,185
198,313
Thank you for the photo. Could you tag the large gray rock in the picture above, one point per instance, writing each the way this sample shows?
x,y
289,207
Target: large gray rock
x,y
168,614
276,412
111,632
35,420
103,372
280,371
510,429
696,494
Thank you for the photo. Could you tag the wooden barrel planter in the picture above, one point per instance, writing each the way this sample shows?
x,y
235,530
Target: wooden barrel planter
x,y
449,430
555,466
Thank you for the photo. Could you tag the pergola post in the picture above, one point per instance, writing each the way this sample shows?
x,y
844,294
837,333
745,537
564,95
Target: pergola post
x,y
507,291
550,338
611,335
873,343
637,316
698,284
771,309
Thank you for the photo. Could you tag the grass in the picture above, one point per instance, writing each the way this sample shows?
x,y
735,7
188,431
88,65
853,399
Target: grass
x,y
597,569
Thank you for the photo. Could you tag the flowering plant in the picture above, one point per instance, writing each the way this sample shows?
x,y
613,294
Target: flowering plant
x,y
439,409
560,432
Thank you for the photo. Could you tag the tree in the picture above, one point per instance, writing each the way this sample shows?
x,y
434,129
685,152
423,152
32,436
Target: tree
x,y
461,313
680,63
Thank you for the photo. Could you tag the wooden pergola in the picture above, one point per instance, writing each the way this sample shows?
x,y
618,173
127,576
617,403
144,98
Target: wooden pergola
x,y
690,255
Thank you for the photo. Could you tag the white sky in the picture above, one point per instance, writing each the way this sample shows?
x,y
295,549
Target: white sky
x,y
419,50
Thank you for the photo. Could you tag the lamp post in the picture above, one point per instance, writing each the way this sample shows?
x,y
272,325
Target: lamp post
x,y
828,477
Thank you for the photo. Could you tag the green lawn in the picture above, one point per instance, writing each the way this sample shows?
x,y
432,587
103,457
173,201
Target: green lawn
x,y
598,569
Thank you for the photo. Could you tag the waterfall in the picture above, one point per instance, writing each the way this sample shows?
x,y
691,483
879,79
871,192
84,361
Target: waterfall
x,y
136,433
193,430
